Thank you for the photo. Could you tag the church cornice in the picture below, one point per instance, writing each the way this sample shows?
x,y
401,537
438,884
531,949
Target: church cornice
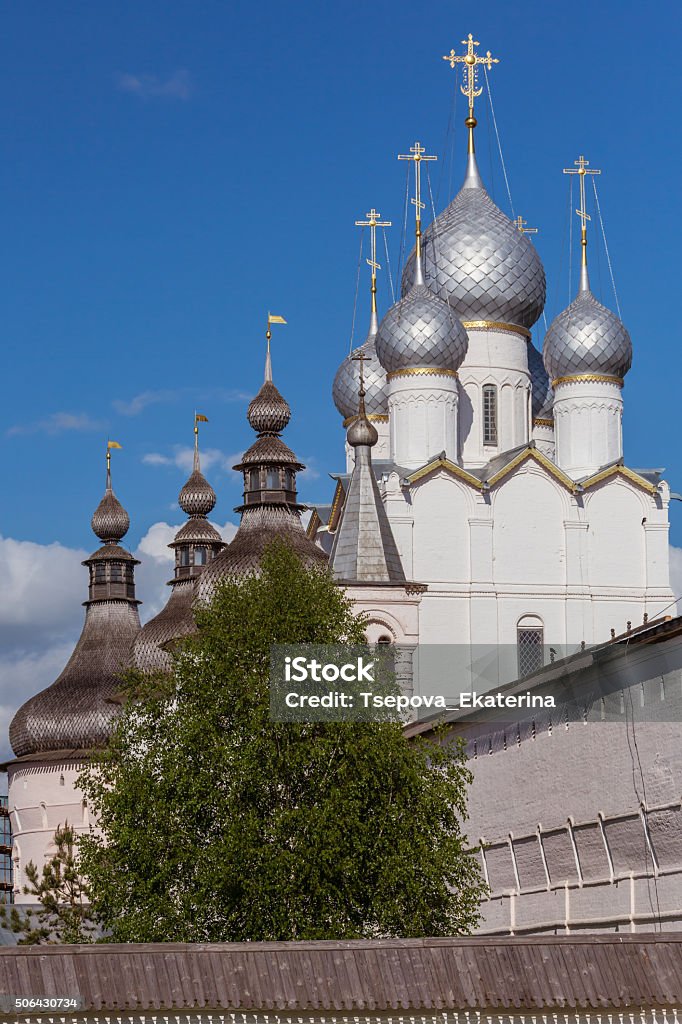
x,y
624,473
448,467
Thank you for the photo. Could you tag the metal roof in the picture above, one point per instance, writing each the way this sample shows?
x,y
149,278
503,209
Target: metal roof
x,y
596,971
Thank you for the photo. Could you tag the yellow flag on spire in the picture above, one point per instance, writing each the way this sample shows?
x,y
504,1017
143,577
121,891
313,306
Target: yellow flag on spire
x,y
274,319
113,444
200,419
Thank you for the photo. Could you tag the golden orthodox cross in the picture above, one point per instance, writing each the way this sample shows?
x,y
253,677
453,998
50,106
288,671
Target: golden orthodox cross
x,y
582,168
417,154
373,223
470,60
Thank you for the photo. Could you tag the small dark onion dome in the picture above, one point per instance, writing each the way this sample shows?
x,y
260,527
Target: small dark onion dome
x,y
76,713
110,521
587,338
197,497
196,544
361,431
270,508
542,395
268,412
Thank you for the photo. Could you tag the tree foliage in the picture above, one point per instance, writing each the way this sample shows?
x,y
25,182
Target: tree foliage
x,y
218,824
63,913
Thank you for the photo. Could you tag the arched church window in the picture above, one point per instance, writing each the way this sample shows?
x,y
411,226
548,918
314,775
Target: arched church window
x,y
530,639
489,414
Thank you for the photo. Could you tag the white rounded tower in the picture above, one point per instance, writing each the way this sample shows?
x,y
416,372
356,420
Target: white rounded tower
x,y
421,345
587,353
488,271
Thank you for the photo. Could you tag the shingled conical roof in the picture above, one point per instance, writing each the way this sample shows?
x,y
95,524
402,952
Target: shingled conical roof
x,y
364,549
76,712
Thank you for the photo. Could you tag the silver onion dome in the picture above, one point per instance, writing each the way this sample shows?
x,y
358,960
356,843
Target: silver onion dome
x,y
347,381
476,259
542,394
421,331
587,338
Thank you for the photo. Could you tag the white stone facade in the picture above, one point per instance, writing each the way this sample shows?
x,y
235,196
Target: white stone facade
x,y
43,796
500,532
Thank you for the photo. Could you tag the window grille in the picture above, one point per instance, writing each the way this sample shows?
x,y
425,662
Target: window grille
x,y
529,643
489,414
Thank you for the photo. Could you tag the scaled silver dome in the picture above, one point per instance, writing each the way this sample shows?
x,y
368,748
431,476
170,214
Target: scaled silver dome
x,y
542,394
421,331
347,382
476,259
587,338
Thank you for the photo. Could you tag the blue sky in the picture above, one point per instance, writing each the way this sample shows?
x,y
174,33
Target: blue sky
x,y
172,170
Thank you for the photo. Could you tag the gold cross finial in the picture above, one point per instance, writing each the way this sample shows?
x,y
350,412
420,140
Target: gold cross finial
x,y
470,61
582,168
521,226
373,222
416,155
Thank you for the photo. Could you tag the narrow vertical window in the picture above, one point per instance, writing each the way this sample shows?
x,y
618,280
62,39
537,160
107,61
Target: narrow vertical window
x,y
489,414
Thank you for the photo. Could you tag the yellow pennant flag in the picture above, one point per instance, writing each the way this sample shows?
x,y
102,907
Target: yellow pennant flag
x,y
113,444
273,319
200,419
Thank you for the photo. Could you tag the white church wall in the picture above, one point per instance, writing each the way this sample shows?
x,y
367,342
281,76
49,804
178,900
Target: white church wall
x,y
529,509
442,507
41,797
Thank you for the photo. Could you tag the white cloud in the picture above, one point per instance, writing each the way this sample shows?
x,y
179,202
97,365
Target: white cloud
x,y
40,584
196,396
183,458
174,86
135,405
57,423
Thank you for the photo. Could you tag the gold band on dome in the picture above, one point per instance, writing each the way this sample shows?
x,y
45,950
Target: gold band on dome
x,y
542,422
588,378
421,371
494,325
373,417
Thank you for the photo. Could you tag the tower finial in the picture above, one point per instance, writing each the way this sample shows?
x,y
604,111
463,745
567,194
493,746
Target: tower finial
x,y
272,319
373,223
110,445
582,167
470,60
417,154
198,418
